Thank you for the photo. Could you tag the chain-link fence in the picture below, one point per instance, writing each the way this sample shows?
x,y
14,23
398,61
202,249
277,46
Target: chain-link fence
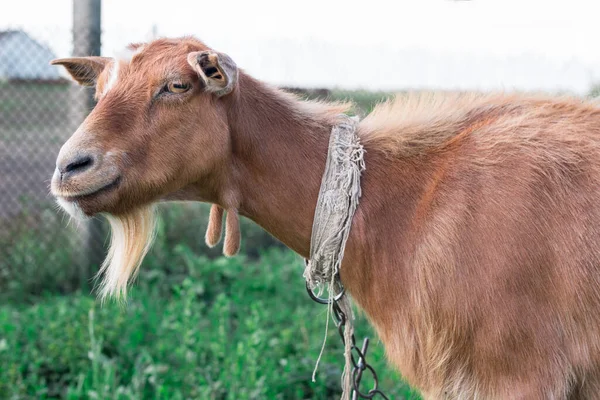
x,y
39,109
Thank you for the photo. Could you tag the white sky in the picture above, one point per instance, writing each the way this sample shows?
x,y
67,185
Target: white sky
x,y
376,44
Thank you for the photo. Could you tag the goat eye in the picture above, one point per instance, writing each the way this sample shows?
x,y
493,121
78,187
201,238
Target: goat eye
x,y
178,87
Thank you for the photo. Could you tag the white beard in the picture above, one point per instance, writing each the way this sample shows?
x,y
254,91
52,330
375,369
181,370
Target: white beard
x,y
132,235
71,208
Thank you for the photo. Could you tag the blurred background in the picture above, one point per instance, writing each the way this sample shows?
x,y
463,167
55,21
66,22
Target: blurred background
x,y
197,325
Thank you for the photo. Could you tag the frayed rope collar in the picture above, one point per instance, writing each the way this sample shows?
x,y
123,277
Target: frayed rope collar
x,y
338,199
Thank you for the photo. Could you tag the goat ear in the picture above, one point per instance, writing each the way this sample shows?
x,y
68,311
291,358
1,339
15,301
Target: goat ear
x,y
217,70
85,70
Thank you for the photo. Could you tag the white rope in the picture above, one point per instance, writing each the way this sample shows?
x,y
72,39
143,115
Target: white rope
x,y
337,202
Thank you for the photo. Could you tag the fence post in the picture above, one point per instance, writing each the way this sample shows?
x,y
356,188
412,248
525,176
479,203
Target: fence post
x,y
87,31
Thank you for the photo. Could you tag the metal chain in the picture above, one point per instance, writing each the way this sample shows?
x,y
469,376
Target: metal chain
x,y
359,361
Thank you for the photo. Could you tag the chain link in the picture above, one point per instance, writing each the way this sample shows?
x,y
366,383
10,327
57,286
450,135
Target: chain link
x,y
359,361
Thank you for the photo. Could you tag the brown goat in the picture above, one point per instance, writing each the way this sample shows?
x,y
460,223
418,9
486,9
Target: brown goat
x,y
474,251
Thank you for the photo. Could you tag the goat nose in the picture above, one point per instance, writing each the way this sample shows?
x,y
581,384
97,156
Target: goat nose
x,y
75,165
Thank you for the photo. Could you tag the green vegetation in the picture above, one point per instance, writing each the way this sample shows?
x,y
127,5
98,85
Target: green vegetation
x,y
228,329
364,100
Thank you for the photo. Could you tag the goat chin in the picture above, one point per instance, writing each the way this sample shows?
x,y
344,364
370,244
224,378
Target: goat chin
x,y
72,209
132,235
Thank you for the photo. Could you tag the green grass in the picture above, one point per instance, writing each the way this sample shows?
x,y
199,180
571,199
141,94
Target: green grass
x,y
41,251
364,100
231,329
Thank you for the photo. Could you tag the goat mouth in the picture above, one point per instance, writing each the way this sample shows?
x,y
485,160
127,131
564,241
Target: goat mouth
x,y
88,195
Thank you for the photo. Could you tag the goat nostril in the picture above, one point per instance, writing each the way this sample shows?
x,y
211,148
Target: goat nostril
x,y
79,164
